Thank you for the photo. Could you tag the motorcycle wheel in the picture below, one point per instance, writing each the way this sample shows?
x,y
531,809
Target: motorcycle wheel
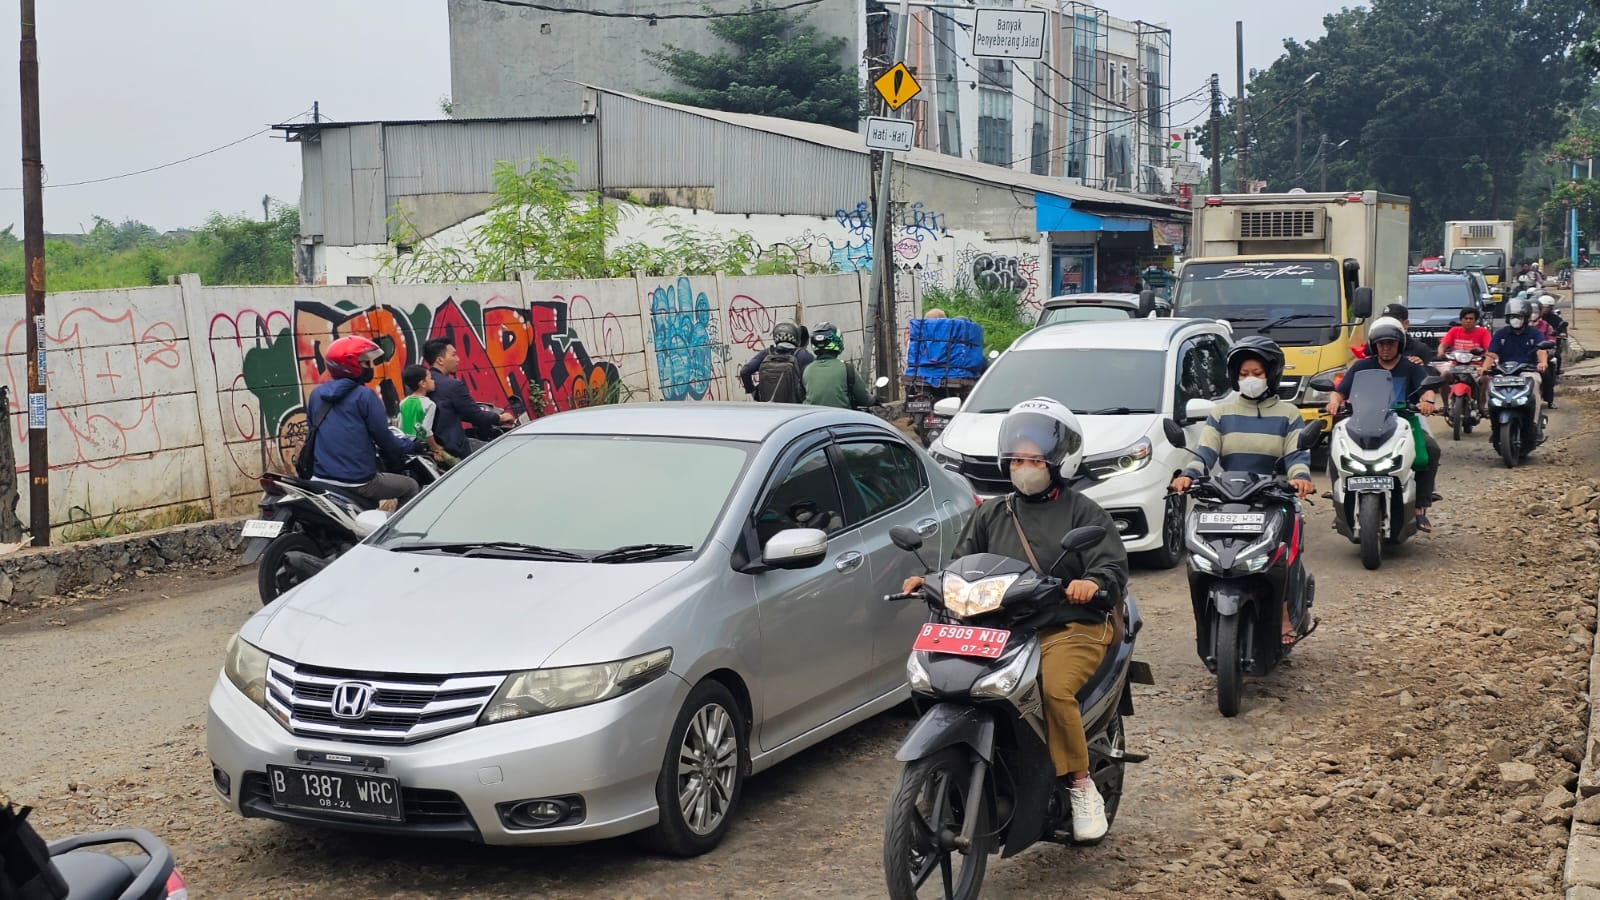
x,y
1106,766
1369,519
1458,417
274,576
1511,443
930,801
1230,667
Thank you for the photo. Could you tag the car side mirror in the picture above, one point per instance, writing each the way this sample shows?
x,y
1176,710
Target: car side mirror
x,y
1174,433
370,520
906,538
1323,383
1198,409
1082,538
994,355
795,548
1311,434
947,406
1362,305
882,382
1147,303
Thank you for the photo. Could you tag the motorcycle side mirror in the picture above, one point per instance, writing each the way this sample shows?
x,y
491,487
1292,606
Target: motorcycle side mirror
x,y
994,354
1323,383
1174,433
909,540
370,520
1547,345
1311,435
1147,303
947,406
1082,538
1431,382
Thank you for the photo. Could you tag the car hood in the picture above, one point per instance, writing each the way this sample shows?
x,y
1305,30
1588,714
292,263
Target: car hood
x,y
418,613
1433,319
978,434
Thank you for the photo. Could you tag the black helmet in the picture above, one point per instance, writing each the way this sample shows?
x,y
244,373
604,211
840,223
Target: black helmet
x,y
1397,311
1262,349
786,336
826,339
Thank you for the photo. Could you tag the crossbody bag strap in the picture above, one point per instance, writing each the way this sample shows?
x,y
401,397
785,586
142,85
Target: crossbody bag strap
x,y
1017,524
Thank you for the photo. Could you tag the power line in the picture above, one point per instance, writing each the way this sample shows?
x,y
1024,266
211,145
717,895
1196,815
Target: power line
x,y
168,165
652,18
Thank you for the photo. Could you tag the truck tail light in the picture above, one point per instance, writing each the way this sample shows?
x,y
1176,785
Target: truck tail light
x,y
1213,201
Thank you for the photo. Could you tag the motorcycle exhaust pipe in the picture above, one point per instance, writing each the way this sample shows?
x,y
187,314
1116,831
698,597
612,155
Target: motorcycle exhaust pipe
x,y
304,563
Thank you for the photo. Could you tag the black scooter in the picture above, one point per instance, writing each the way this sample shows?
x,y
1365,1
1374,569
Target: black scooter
x,y
1244,538
72,867
978,778
1516,430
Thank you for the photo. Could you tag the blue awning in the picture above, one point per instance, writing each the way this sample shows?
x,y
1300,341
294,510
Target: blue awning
x,y
1052,213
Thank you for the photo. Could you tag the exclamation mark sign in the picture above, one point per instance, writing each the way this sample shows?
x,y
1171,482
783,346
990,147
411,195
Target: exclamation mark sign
x,y
899,76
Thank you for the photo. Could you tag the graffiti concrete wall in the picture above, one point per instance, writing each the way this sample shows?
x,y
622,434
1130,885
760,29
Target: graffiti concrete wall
x,y
187,394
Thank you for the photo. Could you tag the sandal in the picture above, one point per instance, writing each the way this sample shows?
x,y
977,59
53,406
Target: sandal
x,y
1423,525
1290,639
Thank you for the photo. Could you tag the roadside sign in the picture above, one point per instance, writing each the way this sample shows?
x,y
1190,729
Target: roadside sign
x,y
897,86
1187,173
1008,33
890,134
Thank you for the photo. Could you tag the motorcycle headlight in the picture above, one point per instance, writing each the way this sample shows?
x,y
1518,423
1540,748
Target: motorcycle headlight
x,y
245,665
1354,466
1257,563
1129,459
917,674
1203,564
1002,682
967,599
540,691
1384,466
1310,396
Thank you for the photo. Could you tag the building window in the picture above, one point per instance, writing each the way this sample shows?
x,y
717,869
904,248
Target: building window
x,y
1153,106
994,127
948,84
1042,152
1080,117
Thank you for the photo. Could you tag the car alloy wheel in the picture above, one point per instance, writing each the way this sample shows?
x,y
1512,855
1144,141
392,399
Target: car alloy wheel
x,y
702,775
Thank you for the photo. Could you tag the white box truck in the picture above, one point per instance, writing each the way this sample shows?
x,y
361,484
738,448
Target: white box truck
x,y
1480,245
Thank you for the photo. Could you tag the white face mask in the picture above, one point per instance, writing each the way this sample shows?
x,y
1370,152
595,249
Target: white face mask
x,y
1515,321
1030,480
1253,388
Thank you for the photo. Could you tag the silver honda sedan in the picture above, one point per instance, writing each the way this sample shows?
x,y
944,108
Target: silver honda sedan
x,y
598,624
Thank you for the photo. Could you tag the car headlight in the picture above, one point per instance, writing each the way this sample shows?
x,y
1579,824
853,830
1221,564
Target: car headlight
x,y
1129,459
1309,396
245,665
1003,682
966,599
917,674
542,691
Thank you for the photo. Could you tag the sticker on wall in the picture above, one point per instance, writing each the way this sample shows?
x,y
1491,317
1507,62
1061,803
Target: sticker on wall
x,y
37,408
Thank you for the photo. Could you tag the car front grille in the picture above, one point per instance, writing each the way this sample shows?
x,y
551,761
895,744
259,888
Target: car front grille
x,y
983,472
404,709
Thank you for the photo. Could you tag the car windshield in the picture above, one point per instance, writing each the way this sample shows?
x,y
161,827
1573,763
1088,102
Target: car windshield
x,y
1084,314
1087,380
1260,291
1442,294
580,493
1477,259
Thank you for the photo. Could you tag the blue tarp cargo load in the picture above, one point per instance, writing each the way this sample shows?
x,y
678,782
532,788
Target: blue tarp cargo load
x,y
944,350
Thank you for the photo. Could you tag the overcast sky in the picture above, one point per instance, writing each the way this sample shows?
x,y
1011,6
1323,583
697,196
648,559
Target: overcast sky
x,y
129,85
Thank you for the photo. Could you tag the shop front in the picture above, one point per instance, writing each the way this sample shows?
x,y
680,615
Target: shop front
x,y
1097,253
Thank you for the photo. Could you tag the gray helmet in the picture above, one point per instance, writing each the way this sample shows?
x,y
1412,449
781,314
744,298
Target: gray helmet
x,y
1517,308
787,336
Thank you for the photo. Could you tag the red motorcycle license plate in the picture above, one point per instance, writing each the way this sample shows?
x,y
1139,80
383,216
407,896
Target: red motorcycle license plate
x,y
962,640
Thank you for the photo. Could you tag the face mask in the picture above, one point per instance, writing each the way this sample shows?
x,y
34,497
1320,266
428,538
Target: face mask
x,y
1253,388
366,375
1030,480
1515,321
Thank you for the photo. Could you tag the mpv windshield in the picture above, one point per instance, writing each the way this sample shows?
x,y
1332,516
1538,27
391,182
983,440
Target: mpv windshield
x,y
1445,293
1088,381
585,494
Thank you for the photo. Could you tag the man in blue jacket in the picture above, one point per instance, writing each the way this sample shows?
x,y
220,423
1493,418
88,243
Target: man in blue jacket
x,y
455,404
351,427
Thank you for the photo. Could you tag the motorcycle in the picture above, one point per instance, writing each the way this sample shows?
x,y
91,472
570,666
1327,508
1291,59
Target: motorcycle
x,y
1244,535
74,867
1370,458
302,526
977,763
1459,368
1511,410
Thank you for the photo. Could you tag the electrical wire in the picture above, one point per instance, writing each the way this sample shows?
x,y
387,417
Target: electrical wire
x,y
652,17
168,165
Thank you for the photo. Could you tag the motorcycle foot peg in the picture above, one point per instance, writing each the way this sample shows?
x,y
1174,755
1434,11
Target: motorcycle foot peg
x,y
1139,673
1129,756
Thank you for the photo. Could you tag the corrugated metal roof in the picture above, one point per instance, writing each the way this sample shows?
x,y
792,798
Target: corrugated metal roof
x,y
458,157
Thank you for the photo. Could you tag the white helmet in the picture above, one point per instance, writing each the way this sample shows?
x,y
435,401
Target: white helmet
x,y
1384,328
1046,427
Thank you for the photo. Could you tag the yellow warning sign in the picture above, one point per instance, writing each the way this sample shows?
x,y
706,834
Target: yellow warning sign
x,y
897,86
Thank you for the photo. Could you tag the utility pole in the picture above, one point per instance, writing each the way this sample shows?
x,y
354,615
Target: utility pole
x,y
33,261
1239,136
881,303
1572,226
1322,154
1299,117
1216,134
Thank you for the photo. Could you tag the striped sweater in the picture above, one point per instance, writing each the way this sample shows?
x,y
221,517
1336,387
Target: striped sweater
x,y
1246,436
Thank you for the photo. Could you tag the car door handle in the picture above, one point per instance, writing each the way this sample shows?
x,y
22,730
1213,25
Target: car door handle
x,y
849,562
927,527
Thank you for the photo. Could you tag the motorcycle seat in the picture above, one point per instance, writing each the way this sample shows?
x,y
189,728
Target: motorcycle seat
x,y
1108,663
319,487
98,876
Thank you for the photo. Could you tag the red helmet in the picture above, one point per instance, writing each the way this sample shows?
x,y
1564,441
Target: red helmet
x,y
348,356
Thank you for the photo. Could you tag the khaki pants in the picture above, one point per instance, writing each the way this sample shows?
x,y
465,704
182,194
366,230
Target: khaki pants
x,y
1067,657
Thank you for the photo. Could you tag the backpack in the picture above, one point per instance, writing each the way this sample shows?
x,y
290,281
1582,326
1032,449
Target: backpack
x,y
778,378
26,872
305,461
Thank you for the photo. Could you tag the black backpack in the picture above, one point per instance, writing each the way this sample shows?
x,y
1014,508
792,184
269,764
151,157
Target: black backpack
x,y
778,378
305,460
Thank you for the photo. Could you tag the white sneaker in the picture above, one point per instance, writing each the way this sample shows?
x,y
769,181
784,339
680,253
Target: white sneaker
x,y
1088,814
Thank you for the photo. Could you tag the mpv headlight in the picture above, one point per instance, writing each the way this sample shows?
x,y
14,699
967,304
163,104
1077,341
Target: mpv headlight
x,y
541,691
1127,460
966,599
245,665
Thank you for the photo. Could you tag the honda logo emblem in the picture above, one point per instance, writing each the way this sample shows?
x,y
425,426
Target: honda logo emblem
x,y
352,699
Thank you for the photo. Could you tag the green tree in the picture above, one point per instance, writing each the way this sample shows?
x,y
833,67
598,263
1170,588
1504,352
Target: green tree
x,y
241,250
776,66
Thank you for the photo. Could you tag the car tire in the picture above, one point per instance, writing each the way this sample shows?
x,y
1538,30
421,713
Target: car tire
x,y
712,730
1170,553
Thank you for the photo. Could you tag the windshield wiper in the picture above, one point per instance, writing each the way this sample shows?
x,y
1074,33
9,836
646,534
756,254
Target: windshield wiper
x,y
640,552
1284,320
1115,411
491,548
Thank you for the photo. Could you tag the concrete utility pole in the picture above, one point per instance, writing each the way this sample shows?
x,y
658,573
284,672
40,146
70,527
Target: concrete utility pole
x,y
1322,153
1239,136
1216,134
881,303
33,281
1299,119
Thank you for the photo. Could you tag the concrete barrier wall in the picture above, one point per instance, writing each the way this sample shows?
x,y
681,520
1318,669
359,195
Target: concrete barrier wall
x,y
185,393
